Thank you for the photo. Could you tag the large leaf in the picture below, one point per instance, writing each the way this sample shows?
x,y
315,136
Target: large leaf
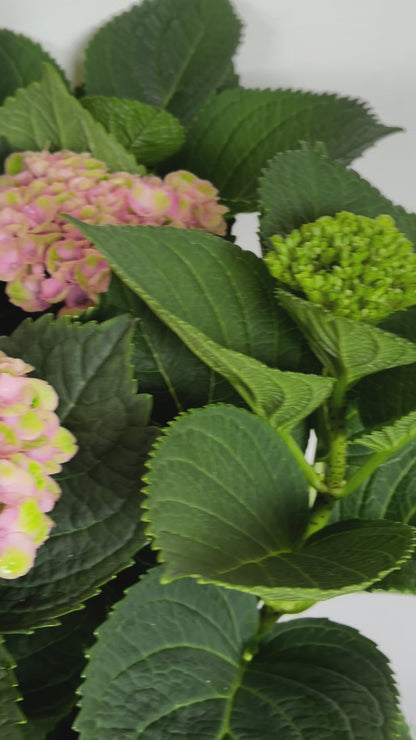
x,y
21,62
282,398
222,291
299,187
10,715
227,503
151,134
172,55
49,664
238,131
164,365
188,672
45,114
174,375
349,349
98,515
50,660
390,494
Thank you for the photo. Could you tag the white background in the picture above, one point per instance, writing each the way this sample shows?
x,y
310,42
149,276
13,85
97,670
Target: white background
x,y
363,49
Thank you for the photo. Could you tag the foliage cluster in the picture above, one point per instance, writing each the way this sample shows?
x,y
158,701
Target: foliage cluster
x,y
191,389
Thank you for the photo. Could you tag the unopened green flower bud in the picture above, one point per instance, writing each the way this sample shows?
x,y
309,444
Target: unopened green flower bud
x,y
357,267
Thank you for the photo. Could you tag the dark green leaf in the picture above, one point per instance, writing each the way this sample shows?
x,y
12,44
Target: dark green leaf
x,y
188,672
299,187
49,665
402,323
172,55
403,730
184,269
98,515
387,396
238,131
340,684
230,79
391,438
282,398
164,365
227,503
390,493
348,349
45,114
151,134
390,394
21,62
10,715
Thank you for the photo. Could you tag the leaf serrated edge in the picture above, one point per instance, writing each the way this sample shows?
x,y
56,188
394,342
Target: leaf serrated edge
x,y
261,592
96,634
395,208
138,10
298,91
148,470
52,73
376,440
116,18
382,665
50,320
48,58
10,670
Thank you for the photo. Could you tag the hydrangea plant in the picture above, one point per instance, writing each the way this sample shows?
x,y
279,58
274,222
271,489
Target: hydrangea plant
x,y
162,534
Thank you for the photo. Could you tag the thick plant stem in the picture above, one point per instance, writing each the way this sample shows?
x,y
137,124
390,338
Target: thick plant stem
x,y
320,514
337,459
268,618
365,471
334,480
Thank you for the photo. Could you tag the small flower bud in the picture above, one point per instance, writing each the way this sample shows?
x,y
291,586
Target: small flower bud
x,y
357,267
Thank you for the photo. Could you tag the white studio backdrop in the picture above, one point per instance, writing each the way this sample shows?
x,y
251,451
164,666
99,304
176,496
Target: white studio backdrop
x,y
363,49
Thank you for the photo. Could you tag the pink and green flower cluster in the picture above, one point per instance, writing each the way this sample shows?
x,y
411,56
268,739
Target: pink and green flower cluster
x,y
33,447
45,260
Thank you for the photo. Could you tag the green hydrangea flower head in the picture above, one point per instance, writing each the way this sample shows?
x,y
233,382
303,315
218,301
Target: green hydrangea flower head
x,y
357,267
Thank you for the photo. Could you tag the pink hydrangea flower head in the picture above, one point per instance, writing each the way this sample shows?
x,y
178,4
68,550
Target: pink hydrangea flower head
x,y
44,260
33,446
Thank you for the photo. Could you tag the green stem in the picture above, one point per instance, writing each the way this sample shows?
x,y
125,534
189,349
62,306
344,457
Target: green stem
x,y
268,618
365,471
310,474
320,514
337,458
333,485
